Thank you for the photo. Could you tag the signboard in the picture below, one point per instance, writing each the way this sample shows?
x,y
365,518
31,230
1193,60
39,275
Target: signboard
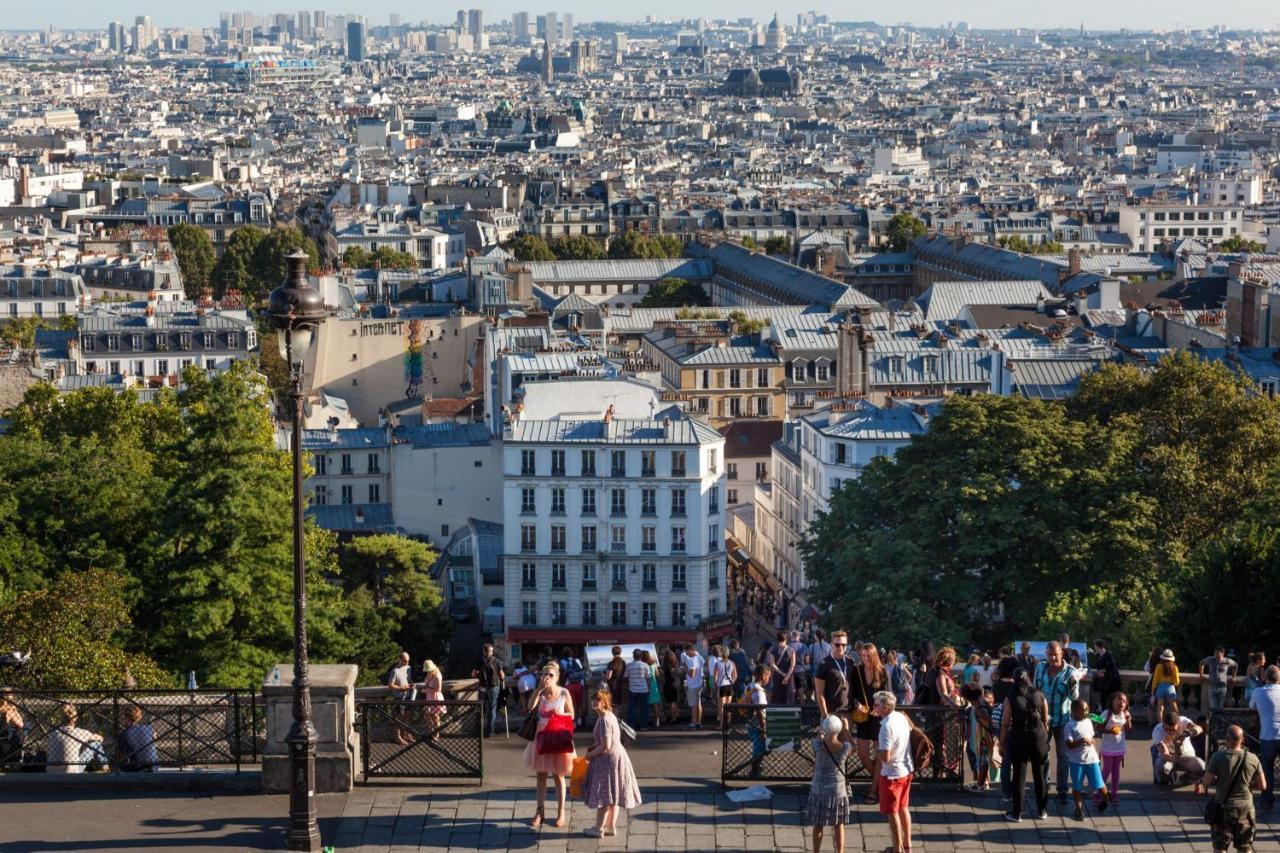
x,y
1038,647
598,657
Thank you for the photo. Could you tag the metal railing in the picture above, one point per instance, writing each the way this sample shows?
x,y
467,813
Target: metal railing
x,y
132,730
782,750
422,739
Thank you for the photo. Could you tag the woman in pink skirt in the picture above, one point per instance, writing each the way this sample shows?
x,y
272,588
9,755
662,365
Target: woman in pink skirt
x,y
432,693
611,781
547,701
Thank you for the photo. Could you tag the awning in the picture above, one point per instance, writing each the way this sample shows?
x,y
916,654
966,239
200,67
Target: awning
x,y
598,636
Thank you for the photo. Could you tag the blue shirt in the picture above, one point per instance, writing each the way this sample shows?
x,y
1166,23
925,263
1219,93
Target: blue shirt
x,y
1266,701
136,747
1058,691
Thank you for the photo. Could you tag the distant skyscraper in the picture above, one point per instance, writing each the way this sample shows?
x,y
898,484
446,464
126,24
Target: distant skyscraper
x,y
356,42
541,33
117,39
224,25
395,21
461,21
319,22
553,28
566,26
303,25
475,23
520,27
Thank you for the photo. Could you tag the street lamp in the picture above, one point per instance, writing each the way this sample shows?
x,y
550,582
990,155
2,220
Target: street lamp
x,y
296,310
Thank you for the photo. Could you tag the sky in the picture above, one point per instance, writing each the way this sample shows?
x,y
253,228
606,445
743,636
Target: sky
x,y
1094,14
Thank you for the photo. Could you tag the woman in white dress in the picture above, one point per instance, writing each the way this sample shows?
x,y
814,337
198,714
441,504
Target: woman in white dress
x,y
549,700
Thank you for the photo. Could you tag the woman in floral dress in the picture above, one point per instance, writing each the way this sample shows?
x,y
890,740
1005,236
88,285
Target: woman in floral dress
x,y
611,782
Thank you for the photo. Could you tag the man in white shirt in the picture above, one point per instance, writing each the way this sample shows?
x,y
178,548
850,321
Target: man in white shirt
x,y
1173,757
637,673
67,749
694,675
1266,701
896,767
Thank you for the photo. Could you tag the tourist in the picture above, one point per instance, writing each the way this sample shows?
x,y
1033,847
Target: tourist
x,y
654,717
939,683
615,676
1106,673
1174,759
1117,723
1082,753
545,756
69,748
900,678
981,734
1026,660
866,680
1002,682
490,676
1149,667
1236,773
1218,670
742,664
136,743
638,674
573,677
723,676
400,679
782,661
432,695
694,669
1060,684
801,682
1266,701
757,721
831,684
815,654
896,766
971,669
611,781
828,803
526,683
1070,655
13,732
1165,682
1024,728
1255,675
671,684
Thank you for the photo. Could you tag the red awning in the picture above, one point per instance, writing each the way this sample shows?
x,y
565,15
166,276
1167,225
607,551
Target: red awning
x,y
598,636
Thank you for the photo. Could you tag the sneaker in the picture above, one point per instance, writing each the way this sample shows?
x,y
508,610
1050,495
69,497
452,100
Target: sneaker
x,y
1012,818
1079,815
691,726
1042,816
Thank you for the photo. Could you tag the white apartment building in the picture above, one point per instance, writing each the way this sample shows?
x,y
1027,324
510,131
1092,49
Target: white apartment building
x,y
153,343
435,249
899,160
613,529
350,467
28,292
1241,190
1151,226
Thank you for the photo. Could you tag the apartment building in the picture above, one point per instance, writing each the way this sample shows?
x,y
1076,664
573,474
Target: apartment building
x,y
721,375
30,292
153,344
1152,227
350,468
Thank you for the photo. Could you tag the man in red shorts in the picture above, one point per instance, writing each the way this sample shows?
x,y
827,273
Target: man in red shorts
x,y
895,768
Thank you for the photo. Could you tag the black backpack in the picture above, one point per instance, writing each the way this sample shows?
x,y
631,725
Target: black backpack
x,y
1025,712
928,694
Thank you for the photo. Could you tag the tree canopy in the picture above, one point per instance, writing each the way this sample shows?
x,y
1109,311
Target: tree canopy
x,y
194,251
674,292
253,260
902,229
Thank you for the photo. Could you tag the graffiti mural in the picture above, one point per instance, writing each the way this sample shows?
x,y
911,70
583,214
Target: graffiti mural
x,y
413,359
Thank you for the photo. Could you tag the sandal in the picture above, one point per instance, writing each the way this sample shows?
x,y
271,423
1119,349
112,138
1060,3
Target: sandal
x,y
537,819
871,798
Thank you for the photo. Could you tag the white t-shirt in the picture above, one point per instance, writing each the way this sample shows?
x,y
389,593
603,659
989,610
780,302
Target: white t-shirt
x,y
403,676
1157,735
63,749
1113,744
895,738
526,681
757,695
692,669
638,676
1085,753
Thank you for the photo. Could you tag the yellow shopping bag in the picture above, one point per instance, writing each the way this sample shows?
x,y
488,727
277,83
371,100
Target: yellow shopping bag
x,y
578,778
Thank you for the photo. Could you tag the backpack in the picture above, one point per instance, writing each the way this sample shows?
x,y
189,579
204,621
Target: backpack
x,y
1031,720
928,693
573,670
921,747
898,681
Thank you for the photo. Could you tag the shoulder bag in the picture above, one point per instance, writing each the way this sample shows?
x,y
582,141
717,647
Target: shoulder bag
x,y
864,714
1215,811
839,764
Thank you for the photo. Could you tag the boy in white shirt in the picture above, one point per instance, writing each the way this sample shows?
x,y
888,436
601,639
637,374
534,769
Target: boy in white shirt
x,y
1082,754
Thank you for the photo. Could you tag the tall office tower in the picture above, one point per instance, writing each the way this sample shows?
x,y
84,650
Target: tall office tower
x,y
541,32
566,26
320,23
520,27
620,43
475,24
304,25
356,42
224,25
117,40
395,21
553,28
461,23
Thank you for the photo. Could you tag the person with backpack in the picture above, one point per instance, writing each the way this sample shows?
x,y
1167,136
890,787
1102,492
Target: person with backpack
x,y
900,678
723,676
897,764
1024,728
1238,773
490,676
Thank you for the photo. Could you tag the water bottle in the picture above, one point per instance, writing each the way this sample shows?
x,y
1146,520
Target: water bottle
x,y
275,675
191,680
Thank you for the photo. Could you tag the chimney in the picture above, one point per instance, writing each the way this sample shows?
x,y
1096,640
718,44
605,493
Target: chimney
x,y
1073,262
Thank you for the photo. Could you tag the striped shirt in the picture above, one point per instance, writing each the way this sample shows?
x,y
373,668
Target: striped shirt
x,y
1058,691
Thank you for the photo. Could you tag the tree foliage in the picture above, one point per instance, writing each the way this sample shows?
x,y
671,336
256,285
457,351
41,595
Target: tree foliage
x,y
634,244
1240,243
384,257
577,247
778,246
530,247
674,292
254,260
194,251
902,230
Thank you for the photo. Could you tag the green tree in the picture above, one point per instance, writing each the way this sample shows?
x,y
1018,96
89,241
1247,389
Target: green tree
x,y
357,257
666,246
235,269
902,230
194,251
778,246
268,265
1240,243
577,247
749,242
392,259
530,247
674,292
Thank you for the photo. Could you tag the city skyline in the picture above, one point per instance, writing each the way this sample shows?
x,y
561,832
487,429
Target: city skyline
x,y
1093,14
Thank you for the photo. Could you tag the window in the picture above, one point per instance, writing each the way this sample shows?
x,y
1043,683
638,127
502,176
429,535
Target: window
x,y
588,575
208,340
713,538
735,407
588,613
184,340
677,540
321,495
618,538
706,379
799,369
558,615
679,579
557,501
732,500
528,576
735,378
557,576
162,341
588,501
528,537
557,537
648,501
618,613
347,467
648,463
713,461
529,613
842,453
678,501
617,502
162,367
557,463
731,470
527,466
444,531
322,464
648,538
348,494
588,537
618,463
649,613
762,377
588,463
86,343
714,494
113,343
713,572
618,576
649,577
233,340
677,613
762,471
677,463
820,371
375,493
375,464
528,501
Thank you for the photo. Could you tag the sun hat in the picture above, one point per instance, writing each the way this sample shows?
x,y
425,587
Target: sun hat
x,y
1167,654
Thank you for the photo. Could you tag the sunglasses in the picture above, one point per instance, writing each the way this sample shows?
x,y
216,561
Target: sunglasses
x,y
840,645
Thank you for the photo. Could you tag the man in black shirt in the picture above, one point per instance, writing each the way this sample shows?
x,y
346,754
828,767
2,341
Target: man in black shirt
x,y
490,675
831,682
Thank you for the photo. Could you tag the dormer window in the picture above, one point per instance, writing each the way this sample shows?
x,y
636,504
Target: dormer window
x,y
896,364
113,343
136,342
162,341
86,343
208,340
233,340
184,340
931,364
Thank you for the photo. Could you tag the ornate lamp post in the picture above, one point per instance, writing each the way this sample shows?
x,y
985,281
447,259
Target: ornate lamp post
x,y
296,310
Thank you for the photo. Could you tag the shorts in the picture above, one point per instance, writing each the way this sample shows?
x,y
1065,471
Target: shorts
x,y
895,794
726,691
692,695
1166,691
1091,773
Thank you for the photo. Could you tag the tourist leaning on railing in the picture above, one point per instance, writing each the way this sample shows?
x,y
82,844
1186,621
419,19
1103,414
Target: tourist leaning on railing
x,y
136,743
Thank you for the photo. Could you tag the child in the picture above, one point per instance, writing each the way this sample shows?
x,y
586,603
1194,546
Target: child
x,y
978,742
1116,724
829,791
1083,757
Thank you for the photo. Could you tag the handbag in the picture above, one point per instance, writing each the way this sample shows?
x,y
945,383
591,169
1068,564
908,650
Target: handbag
x,y
578,778
529,728
861,716
556,736
628,733
1215,812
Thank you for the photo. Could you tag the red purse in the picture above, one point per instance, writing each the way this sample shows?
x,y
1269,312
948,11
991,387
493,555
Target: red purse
x,y
557,736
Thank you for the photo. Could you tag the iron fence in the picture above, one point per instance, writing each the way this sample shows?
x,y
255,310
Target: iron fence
x,y
422,739
1224,718
73,731
781,750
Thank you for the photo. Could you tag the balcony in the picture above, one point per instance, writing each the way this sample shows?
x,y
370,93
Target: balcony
x,y
588,583
649,472
618,585
348,471
617,547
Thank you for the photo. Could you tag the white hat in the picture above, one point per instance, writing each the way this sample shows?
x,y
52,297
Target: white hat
x,y
1167,654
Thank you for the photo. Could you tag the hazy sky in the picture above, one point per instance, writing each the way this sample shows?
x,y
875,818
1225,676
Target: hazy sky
x,y
1095,14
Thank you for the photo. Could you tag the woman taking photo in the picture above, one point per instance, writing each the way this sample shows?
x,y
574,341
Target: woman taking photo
x,y
865,681
432,693
545,755
611,781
